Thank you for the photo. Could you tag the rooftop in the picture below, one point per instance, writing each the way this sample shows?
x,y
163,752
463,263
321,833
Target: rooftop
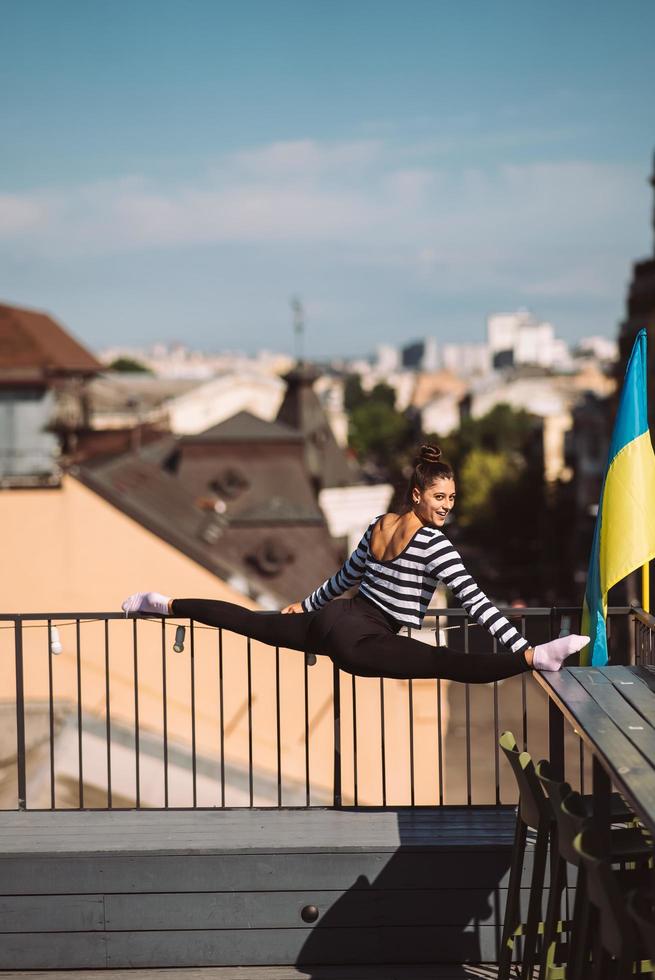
x,y
34,347
245,427
269,536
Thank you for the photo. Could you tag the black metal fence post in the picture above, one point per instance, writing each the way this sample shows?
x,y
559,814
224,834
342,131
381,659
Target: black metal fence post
x,y
20,714
336,703
556,739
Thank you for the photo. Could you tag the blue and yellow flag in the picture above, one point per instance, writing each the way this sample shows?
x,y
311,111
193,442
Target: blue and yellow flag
x,y
624,536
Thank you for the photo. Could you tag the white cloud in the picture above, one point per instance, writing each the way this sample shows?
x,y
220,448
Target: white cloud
x,y
19,213
517,226
578,280
304,158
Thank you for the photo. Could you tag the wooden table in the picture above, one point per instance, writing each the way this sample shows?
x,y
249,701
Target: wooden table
x,y
613,710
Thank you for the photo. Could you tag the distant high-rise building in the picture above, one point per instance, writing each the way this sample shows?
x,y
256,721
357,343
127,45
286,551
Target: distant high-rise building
x,y
431,355
520,338
502,330
421,355
600,348
466,360
387,359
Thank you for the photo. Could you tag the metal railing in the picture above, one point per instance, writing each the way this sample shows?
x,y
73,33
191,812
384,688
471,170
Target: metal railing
x,y
104,712
644,637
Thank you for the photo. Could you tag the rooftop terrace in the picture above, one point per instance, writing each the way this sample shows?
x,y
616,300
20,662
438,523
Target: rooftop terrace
x,y
128,844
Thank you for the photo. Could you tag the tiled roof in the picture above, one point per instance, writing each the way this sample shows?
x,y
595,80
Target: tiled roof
x,y
237,498
269,484
34,346
114,392
280,557
245,427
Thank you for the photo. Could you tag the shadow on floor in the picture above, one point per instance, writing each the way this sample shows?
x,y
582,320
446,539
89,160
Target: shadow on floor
x,y
434,902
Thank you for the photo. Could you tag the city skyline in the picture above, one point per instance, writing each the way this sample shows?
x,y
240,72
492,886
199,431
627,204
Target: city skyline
x,y
179,172
421,353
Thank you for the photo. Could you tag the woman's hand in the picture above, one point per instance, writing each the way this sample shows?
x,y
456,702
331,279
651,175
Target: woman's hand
x,y
295,607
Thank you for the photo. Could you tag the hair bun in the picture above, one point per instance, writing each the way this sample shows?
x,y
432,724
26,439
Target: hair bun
x,y
429,454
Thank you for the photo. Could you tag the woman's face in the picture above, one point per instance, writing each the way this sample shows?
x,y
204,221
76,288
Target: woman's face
x,y
433,504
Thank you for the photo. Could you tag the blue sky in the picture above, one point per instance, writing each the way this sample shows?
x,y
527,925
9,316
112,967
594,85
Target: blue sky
x,y
179,170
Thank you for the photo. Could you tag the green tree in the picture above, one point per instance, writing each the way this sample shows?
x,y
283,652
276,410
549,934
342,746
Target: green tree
x,y
503,429
383,393
482,475
128,366
353,393
503,509
488,454
377,432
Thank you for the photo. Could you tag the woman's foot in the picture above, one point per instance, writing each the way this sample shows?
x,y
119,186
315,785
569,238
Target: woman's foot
x,y
551,656
147,603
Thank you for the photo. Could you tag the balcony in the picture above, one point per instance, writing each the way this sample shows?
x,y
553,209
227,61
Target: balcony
x,y
197,800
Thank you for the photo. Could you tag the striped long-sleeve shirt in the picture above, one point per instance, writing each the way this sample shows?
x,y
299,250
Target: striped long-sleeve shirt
x,y
403,586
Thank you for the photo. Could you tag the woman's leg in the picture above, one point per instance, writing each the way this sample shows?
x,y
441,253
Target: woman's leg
x,y
356,643
403,658
279,630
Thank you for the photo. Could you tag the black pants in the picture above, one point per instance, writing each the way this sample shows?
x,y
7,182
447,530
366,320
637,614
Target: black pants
x,y
359,638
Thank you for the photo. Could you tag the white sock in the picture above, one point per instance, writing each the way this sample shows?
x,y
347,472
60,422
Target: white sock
x,y
550,656
146,603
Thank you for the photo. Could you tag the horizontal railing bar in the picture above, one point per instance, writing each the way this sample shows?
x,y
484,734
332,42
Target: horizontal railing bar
x,y
97,616
452,612
642,615
28,617
326,807
518,611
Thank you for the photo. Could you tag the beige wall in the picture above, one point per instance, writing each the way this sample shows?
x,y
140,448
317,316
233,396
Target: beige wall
x,y
67,549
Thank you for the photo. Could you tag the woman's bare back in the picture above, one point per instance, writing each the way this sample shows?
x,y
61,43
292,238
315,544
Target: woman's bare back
x,y
392,534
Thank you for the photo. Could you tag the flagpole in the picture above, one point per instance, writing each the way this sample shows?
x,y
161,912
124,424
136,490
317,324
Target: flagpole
x,y
645,587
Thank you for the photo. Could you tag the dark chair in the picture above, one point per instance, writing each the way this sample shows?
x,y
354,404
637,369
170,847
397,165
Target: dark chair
x,y
552,952
571,811
617,948
533,813
641,908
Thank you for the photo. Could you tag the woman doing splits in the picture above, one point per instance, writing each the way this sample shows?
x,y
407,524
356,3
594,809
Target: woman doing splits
x,y
396,565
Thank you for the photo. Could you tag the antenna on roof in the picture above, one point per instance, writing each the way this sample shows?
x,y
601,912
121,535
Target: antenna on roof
x,y
298,327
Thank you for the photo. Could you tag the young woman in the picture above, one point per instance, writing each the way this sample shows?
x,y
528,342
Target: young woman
x,y
396,565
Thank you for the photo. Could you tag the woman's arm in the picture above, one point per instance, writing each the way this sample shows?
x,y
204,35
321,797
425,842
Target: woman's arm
x,y
446,564
348,575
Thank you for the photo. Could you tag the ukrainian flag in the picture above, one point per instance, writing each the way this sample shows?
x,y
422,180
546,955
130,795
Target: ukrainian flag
x,y
624,536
